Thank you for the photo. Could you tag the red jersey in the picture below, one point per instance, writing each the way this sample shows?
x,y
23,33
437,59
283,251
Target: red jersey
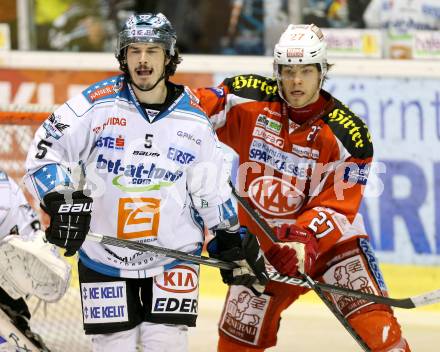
x,y
312,174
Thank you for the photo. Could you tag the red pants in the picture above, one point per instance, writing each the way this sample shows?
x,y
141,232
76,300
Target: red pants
x,y
250,323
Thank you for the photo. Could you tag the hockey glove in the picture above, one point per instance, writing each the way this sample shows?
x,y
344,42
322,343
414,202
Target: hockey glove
x,y
70,215
296,253
243,249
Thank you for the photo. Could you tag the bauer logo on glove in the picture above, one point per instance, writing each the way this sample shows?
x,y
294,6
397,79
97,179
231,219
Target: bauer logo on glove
x,y
75,208
70,215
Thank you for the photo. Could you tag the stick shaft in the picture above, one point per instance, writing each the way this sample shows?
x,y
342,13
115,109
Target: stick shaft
x,y
172,253
405,303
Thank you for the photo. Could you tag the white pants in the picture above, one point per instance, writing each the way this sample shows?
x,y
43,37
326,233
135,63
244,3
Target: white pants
x,y
152,338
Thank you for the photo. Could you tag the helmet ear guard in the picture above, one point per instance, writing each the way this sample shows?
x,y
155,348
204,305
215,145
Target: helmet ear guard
x,y
301,45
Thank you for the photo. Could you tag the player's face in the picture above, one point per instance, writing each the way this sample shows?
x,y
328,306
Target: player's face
x,y
300,84
146,63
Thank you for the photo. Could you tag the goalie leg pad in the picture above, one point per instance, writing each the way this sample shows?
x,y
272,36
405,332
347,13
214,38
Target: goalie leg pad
x,y
33,267
18,306
380,331
16,333
249,322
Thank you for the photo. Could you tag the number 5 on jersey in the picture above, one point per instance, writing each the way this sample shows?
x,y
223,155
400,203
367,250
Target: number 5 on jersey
x,y
138,217
42,148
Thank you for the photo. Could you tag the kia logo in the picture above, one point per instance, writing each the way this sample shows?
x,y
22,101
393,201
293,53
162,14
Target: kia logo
x,y
275,196
180,279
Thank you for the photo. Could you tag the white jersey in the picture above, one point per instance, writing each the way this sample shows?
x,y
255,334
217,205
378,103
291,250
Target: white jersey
x,y
154,178
401,17
16,215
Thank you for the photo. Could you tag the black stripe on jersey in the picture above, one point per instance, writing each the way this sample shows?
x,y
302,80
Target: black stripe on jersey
x,y
350,130
253,87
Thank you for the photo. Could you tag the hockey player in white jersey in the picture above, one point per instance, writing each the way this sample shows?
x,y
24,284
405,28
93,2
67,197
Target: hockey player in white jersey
x,y
28,266
153,163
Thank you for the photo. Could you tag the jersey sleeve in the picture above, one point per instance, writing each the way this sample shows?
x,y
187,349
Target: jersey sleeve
x,y
330,214
214,101
16,215
337,189
208,184
217,103
337,184
60,146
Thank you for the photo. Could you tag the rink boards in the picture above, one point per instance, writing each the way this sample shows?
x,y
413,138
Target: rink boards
x,y
403,281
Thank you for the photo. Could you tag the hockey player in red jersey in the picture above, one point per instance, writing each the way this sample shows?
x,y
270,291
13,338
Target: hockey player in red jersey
x,y
304,162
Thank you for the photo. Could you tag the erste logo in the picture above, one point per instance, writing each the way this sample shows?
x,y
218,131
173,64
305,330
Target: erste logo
x,y
138,217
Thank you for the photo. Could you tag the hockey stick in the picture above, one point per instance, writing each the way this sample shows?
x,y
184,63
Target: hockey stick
x,y
267,231
424,299
405,303
171,253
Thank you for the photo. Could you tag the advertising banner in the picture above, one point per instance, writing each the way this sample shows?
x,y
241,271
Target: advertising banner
x,y
426,45
402,203
5,37
353,42
48,87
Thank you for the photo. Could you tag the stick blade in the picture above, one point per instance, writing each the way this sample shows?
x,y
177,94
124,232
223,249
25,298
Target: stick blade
x,y
426,298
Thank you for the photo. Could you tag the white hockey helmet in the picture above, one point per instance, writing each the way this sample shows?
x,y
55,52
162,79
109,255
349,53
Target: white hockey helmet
x,y
301,44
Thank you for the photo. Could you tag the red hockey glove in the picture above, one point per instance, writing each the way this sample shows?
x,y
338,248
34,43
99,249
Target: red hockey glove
x,y
296,253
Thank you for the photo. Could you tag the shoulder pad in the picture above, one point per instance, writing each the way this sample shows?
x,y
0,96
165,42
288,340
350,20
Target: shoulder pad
x,y
218,91
3,177
190,103
54,127
105,89
191,95
351,130
253,87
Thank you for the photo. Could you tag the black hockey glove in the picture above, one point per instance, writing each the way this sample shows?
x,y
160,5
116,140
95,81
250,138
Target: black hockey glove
x,y
243,249
70,214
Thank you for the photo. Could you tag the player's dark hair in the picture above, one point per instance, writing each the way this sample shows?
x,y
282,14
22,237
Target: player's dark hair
x,y
170,68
